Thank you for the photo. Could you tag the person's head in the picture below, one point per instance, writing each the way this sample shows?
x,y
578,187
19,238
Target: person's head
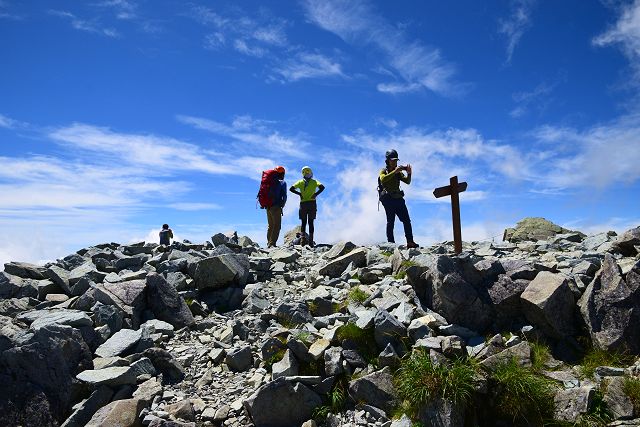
x,y
391,158
165,226
307,172
281,171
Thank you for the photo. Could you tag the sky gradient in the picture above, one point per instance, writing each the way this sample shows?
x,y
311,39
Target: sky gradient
x,y
119,115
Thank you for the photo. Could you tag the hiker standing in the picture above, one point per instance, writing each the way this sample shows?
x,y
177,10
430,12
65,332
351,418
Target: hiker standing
x,y
392,197
166,235
308,189
272,197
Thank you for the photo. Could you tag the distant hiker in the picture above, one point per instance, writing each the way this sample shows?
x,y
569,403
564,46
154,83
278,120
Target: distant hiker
x,y
166,235
308,189
392,198
272,196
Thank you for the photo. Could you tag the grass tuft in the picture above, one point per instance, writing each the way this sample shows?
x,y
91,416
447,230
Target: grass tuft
x,y
363,338
419,380
523,395
357,295
631,388
540,355
597,357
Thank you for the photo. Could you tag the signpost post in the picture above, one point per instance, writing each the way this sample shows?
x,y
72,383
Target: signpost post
x,y
453,189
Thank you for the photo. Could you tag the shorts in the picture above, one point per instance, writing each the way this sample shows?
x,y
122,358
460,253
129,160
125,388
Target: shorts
x,y
308,210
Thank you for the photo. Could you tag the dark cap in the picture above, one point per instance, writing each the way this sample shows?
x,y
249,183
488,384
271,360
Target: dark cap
x,y
391,155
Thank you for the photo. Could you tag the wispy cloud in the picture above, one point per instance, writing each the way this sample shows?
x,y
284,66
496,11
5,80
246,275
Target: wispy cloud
x,y
6,122
625,33
257,134
189,206
537,99
416,65
250,35
91,26
518,22
6,13
124,9
307,65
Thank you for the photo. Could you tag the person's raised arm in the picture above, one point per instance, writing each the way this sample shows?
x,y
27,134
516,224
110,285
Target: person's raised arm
x,y
320,190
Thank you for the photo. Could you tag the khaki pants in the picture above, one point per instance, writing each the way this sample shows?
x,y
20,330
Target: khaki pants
x,y
274,217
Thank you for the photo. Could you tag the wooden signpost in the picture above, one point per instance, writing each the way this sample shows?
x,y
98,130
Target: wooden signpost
x,y
453,189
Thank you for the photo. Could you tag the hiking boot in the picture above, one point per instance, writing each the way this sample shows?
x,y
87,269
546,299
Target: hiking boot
x,y
411,245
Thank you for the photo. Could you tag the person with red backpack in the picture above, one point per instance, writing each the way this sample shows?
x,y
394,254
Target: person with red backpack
x,y
272,196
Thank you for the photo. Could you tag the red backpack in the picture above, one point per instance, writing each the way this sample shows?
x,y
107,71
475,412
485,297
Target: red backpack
x,y
266,196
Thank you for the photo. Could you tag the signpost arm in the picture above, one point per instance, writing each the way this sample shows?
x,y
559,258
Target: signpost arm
x,y
455,211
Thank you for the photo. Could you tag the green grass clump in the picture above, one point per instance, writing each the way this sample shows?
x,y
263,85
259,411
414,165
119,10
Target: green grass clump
x,y
357,295
540,355
597,357
363,338
335,400
275,358
304,336
419,380
523,395
631,388
386,253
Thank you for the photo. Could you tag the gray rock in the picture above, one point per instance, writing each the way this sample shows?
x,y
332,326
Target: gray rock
x,y
300,350
239,359
108,315
610,307
287,366
159,327
520,352
339,249
120,343
166,304
26,270
571,403
114,376
296,313
354,359
118,413
73,318
442,413
592,243
87,271
178,280
220,271
284,255
375,389
88,407
143,366
335,267
281,403
16,287
625,243
148,390
182,410
453,346
13,306
166,364
533,229
404,421
388,357
548,304
333,361
617,401
388,330
130,297
255,302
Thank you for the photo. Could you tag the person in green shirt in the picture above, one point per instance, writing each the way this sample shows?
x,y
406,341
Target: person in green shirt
x,y
392,198
308,189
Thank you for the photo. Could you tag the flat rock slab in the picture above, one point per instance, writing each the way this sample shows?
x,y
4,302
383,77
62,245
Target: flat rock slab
x,y
115,376
73,318
119,343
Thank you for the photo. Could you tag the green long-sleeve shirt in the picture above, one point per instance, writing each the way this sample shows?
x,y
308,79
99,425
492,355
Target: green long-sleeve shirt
x,y
391,182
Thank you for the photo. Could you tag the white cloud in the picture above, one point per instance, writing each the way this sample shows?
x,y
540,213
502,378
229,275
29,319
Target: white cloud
x,y
625,33
518,22
417,65
6,122
188,206
538,99
124,9
242,47
307,65
255,133
86,25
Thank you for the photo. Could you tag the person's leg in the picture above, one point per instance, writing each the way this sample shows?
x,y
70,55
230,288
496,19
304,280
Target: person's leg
x,y
403,215
277,224
270,227
312,217
391,217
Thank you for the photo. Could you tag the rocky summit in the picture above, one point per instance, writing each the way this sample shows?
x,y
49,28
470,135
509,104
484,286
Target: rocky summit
x,y
542,329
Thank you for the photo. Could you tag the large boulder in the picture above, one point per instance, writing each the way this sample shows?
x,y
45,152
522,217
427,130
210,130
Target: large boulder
x,y
38,376
534,229
16,287
119,413
334,268
626,243
26,270
120,343
610,307
130,297
282,403
220,271
166,303
549,304
375,389
339,249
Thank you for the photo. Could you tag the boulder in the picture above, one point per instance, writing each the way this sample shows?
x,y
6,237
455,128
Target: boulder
x,y
333,361
284,255
375,389
114,376
16,287
41,318
339,249
572,403
533,229
88,407
38,376
119,413
282,403
610,307
388,330
87,270
120,343
171,370
220,271
166,304
295,313
548,303
335,267
130,297
620,405
26,270
521,353
625,243
287,366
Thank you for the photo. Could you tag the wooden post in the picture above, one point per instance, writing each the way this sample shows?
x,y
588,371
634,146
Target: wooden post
x,y
454,189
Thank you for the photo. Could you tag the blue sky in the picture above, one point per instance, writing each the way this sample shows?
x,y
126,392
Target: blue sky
x,y
119,115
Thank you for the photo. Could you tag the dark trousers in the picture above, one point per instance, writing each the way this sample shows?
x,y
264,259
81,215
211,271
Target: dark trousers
x,y
393,208
307,214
